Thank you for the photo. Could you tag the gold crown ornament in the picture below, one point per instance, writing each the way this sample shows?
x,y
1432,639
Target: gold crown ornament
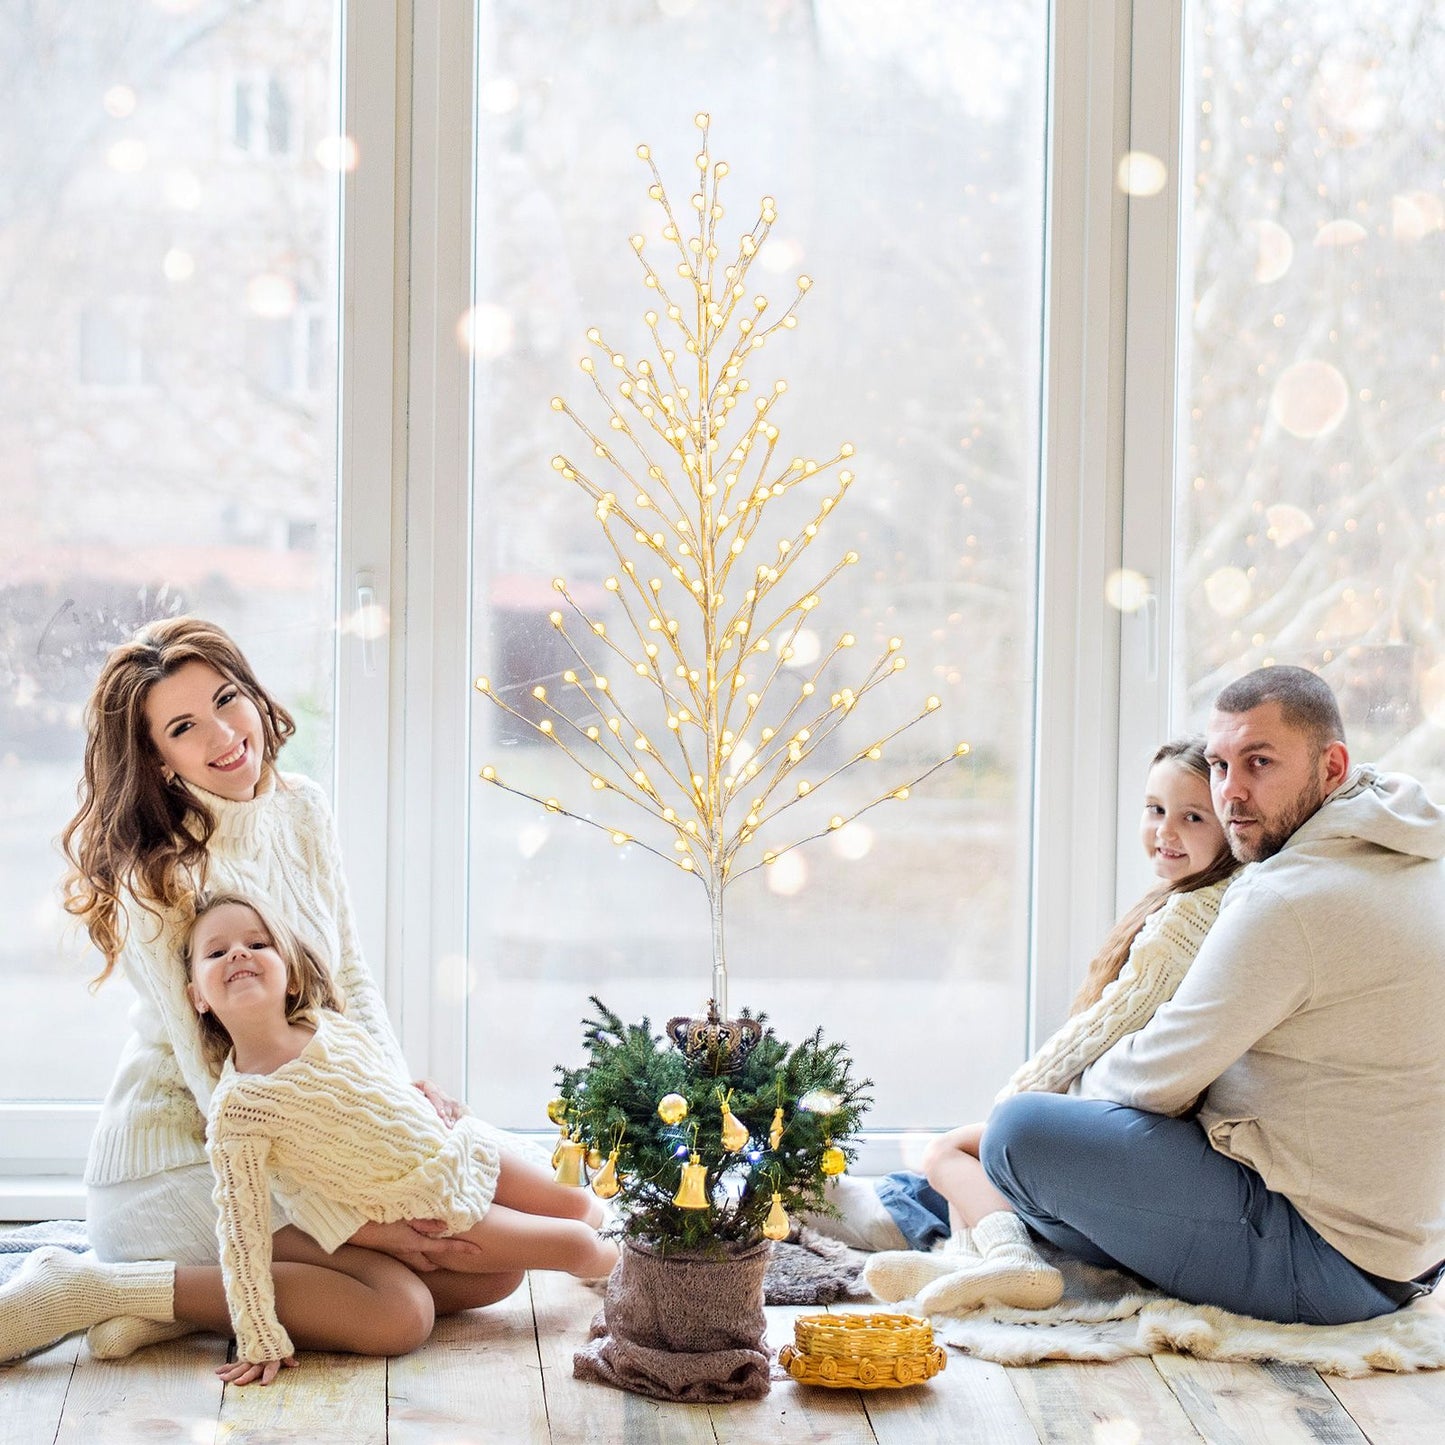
x,y
715,1044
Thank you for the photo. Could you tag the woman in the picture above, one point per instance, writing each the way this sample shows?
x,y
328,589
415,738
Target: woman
x,y
181,791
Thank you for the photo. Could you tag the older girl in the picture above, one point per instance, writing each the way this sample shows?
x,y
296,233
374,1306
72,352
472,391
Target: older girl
x,y
1141,963
181,791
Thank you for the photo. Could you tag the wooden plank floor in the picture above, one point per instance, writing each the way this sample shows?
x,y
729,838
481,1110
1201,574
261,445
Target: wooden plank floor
x,y
504,1377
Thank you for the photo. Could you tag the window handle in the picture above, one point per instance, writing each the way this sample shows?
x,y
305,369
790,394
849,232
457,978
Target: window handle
x,y
1149,612
368,622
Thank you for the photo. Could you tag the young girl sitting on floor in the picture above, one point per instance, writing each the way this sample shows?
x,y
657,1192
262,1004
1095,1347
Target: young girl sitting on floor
x,y
307,1104
1139,966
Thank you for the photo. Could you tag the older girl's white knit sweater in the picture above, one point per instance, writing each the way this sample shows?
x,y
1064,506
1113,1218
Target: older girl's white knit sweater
x,y
1158,959
340,1123
280,846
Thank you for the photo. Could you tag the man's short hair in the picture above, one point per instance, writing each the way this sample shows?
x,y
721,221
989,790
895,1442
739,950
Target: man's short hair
x,y
1305,700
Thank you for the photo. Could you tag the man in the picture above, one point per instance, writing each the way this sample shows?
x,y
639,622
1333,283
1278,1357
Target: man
x,y
1273,1140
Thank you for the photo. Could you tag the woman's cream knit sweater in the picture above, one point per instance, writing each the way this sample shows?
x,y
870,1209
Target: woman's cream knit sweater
x,y
1158,959
339,1122
280,846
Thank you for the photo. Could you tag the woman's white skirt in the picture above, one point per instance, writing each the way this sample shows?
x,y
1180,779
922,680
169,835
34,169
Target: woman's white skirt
x,y
163,1216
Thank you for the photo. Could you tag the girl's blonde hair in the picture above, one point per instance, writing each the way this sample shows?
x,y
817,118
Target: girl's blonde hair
x,y
309,985
133,831
1187,752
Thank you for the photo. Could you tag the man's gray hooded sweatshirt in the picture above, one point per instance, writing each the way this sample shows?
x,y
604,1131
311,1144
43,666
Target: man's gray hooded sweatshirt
x,y
1313,1026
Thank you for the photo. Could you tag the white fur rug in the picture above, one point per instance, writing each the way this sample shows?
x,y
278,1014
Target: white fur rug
x,y
1105,1315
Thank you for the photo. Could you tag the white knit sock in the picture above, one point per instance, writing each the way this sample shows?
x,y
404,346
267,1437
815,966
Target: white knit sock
x,y
56,1292
960,1237
898,1274
1009,1271
124,1335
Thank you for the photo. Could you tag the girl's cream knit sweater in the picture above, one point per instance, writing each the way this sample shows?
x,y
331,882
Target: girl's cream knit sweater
x,y
280,846
1158,959
340,1123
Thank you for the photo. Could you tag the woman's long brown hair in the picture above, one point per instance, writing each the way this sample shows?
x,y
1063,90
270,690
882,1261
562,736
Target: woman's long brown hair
x,y
133,832
1110,959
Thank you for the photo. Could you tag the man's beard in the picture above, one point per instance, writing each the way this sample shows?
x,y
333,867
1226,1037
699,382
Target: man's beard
x,y
1273,833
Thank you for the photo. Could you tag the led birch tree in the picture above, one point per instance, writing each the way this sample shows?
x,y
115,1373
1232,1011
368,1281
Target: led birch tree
x,y
688,714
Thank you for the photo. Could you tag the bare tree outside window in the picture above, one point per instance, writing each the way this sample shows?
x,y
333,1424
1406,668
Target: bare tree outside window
x,y
167,415
1311,506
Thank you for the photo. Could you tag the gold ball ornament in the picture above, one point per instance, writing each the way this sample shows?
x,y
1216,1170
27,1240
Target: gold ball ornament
x,y
672,1108
834,1161
594,1159
557,1111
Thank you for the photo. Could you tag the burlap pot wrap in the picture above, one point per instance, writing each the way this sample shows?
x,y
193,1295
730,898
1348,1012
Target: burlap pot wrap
x,y
682,1326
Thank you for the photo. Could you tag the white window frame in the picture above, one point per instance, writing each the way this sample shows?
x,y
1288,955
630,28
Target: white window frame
x,y
403,682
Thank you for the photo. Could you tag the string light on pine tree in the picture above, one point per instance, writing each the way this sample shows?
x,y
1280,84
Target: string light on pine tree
x,y
691,707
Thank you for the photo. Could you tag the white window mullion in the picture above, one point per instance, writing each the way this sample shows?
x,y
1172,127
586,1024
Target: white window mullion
x,y
429,880
1078,651
1151,368
372,431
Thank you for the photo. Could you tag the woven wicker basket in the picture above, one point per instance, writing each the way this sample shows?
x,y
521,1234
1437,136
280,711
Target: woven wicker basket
x,y
862,1352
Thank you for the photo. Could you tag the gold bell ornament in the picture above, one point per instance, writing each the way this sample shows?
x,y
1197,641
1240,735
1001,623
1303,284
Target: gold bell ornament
x,y
734,1131
672,1108
776,1225
569,1162
775,1134
607,1181
692,1192
834,1161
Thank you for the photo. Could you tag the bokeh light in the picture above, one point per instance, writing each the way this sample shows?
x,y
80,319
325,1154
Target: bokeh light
x,y
852,841
1415,215
499,95
787,875
1126,590
337,153
486,331
178,265
1287,524
270,296
1275,253
1142,174
1310,398
127,156
1341,232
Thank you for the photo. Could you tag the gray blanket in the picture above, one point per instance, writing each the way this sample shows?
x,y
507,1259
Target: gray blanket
x,y
16,1242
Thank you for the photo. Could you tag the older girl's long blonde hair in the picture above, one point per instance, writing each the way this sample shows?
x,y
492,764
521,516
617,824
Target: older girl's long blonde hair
x,y
309,984
133,832
1107,964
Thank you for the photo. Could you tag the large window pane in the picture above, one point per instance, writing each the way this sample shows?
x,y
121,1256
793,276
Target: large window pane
x,y
167,415
1312,437
904,145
